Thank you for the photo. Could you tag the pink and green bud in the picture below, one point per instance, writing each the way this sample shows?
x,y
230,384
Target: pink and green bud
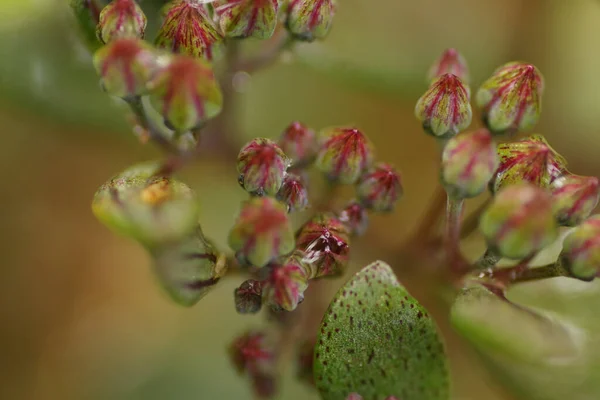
x,y
125,66
248,297
308,20
262,231
528,160
519,222
574,198
581,250
324,240
151,209
511,100
450,62
380,188
344,154
286,285
188,29
186,93
262,166
299,143
248,18
355,217
121,18
252,353
469,161
187,268
444,109
293,193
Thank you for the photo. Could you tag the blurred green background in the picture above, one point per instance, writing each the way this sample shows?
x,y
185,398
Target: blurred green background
x,y
80,314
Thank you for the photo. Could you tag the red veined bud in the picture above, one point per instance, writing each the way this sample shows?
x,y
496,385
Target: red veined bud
x,y
121,18
574,198
185,92
293,193
286,285
379,188
248,297
528,160
355,217
444,109
245,18
262,166
469,161
299,143
450,62
310,19
325,243
125,66
581,250
511,100
252,353
188,29
344,154
262,231
519,222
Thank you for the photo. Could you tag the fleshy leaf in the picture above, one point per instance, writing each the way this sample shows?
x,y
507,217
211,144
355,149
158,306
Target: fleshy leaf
x,y
377,340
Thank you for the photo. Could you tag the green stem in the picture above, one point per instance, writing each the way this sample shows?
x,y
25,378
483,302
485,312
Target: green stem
x,y
547,271
269,55
454,208
158,134
489,259
471,222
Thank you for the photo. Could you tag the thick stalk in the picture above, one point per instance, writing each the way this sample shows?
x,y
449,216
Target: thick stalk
x,y
456,260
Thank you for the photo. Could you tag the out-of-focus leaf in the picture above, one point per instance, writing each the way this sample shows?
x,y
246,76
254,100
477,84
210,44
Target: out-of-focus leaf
x,y
549,356
378,341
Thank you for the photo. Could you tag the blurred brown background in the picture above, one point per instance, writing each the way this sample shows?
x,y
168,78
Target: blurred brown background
x,y
80,314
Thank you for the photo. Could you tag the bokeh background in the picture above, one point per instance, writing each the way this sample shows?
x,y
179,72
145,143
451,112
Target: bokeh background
x,y
80,314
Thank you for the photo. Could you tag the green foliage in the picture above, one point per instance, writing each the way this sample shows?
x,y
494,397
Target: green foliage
x,y
378,341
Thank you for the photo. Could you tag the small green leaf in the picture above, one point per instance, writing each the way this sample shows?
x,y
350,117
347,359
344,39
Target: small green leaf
x,y
378,341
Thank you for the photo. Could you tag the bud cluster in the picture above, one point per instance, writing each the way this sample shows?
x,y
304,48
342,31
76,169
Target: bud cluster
x,y
262,236
253,354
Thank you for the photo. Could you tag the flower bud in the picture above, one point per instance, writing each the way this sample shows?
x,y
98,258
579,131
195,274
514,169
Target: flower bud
x,y
293,193
248,297
121,18
354,216
187,268
528,160
450,62
262,231
299,143
188,29
325,243
245,18
574,198
186,93
519,222
444,109
511,100
344,154
581,250
379,188
308,20
125,66
469,161
252,353
150,209
286,285
262,166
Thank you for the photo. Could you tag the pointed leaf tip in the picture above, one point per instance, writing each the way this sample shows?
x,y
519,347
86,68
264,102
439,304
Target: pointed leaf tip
x,y
377,340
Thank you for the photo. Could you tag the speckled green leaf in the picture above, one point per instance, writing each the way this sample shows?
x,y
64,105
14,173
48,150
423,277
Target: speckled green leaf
x,y
378,341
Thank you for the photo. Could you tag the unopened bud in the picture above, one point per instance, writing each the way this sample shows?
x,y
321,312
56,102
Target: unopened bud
x,y
262,166
344,154
310,19
246,18
355,217
511,100
286,285
469,161
299,143
581,250
293,193
450,62
380,188
519,222
444,109
574,197
528,160
248,297
121,18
